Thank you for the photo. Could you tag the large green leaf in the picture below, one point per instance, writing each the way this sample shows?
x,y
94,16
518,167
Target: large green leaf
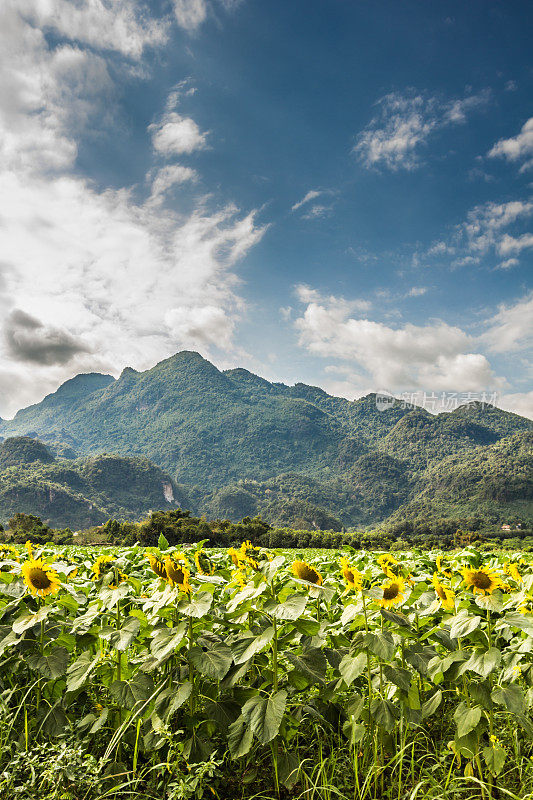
x,y
166,640
384,713
494,757
381,644
244,649
79,670
483,661
264,714
463,624
198,606
352,666
466,718
431,705
171,699
239,738
122,638
511,696
212,662
52,665
292,608
128,693
399,676
33,618
311,663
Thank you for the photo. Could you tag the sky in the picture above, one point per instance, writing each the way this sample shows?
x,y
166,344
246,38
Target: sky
x,y
336,192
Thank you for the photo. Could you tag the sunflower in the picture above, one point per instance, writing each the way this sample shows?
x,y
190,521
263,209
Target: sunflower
x,y
393,593
305,572
177,572
9,552
158,565
238,578
441,568
445,595
248,554
40,578
29,548
235,556
483,580
204,565
386,561
105,564
512,571
352,576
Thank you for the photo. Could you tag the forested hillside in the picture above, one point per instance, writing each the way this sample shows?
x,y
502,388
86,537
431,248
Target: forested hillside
x,y
232,444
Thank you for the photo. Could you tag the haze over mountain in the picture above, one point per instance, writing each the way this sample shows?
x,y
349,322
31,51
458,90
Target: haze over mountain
x,y
231,443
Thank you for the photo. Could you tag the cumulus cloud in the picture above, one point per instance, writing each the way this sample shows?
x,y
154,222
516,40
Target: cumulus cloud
x,y
190,13
517,147
436,356
27,339
169,176
176,134
511,328
400,130
93,278
518,402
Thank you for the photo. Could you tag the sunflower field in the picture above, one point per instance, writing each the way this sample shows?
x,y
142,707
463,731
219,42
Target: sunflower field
x,y
242,673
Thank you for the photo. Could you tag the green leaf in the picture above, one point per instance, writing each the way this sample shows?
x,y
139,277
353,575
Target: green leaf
x,y
198,606
214,662
55,721
351,667
128,693
463,624
517,620
162,543
466,718
79,670
239,738
494,757
244,649
311,663
292,608
29,620
399,676
383,712
52,665
264,714
122,638
166,640
171,699
483,662
381,644
511,696
431,705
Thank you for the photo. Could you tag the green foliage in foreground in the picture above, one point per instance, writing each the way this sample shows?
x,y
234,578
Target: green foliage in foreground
x,y
250,676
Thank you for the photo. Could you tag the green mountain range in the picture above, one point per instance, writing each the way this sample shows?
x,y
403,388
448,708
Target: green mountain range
x,y
231,444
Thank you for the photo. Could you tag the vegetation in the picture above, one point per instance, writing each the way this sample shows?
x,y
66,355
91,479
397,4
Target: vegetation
x,y
237,445
242,673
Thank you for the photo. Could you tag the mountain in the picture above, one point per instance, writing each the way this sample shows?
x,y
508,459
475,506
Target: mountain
x,y
82,492
235,444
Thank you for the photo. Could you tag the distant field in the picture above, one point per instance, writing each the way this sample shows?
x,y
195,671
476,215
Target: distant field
x,y
147,673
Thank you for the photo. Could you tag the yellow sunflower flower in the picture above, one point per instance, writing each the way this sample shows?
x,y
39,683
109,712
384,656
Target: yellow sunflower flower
x,y
393,593
386,561
105,564
7,551
238,578
204,565
352,576
29,548
441,568
483,580
445,595
157,564
234,555
40,578
305,572
512,571
177,572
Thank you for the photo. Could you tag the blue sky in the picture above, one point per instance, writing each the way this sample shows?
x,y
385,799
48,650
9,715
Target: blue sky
x,y
333,192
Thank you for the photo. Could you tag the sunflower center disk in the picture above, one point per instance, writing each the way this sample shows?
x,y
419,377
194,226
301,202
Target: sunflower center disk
x,y
39,579
390,592
481,580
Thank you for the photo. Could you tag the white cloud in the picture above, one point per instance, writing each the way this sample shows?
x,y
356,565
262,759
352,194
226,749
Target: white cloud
x,y
175,135
514,244
169,176
311,195
436,356
517,147
508,263
104,24
417,291
317,212
190,13
396,135
92,278
511,328
518,402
